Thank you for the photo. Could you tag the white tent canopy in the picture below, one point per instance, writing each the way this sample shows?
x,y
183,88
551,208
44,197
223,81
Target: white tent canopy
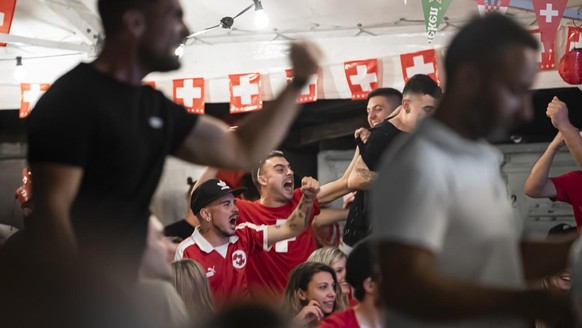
x,y
54,35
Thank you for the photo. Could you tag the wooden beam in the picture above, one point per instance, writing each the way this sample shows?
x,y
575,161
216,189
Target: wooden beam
x,y
331,130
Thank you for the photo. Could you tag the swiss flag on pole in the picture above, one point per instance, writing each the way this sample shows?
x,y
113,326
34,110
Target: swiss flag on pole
x,y
29,95
6,15
309,92
422,62
362,76
546,57
190,94
488,6
549,14
574,40
245,92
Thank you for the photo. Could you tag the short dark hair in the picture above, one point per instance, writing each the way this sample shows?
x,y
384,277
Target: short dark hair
x,y
424,85
256,171
359,267
482,42
111,12
394,96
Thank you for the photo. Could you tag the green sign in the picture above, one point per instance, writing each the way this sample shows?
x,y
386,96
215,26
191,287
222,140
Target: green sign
x,y
434,11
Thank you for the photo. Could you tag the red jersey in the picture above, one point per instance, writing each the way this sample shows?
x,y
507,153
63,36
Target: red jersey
x,y
268,271
569,190
343,319
225,265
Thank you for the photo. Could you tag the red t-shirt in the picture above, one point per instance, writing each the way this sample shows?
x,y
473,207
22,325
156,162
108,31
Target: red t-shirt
x,y
226,275
268,271
343,319
569,190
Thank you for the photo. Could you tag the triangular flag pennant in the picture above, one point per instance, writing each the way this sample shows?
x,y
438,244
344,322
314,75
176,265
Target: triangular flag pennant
x,y
6,15
29,95
434,11
362,76
245,92
190,94
309,92
546,57
421,62
489,6
549,13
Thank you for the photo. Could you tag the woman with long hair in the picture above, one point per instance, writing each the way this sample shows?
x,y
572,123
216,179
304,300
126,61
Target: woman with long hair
x,y
312,293
190,281
336,259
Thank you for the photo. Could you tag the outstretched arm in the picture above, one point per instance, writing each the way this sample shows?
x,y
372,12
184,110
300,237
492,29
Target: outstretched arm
x,y
297,221
538,184
417,288
210,142
336,189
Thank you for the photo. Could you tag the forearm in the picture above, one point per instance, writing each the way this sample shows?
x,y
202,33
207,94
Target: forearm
x,y
329,216
542,258
361,177
573,140
264,130
538,177
297,221
332,191
209,173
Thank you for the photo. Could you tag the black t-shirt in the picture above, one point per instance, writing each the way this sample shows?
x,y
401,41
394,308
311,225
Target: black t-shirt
x,y
181,229
357,225
119,135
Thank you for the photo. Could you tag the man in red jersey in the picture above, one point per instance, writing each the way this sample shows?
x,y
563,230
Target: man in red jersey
x,y
223,248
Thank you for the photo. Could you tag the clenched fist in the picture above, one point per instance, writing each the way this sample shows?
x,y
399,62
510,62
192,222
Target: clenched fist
x,y
309,188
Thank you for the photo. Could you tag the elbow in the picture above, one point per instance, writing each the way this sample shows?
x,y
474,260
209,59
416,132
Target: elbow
x,y
531,190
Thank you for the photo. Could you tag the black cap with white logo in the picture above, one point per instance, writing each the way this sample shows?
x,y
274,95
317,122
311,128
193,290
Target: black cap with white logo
x,y
210,191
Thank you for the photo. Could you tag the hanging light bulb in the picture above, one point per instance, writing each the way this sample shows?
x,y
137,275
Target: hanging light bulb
x,y
19,71
261,18
180,51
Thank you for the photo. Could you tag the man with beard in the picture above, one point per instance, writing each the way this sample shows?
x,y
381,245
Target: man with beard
x,y
449,249
98,138
223,248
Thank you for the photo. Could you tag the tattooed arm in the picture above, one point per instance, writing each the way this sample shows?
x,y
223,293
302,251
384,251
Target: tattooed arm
x,y
361,177
297,221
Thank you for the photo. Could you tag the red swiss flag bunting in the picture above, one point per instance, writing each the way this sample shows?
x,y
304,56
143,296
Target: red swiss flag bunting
x,y
362,76
245,92
29,95
549,14
546,57
190,94
422,62
309,92
574,40
150,83
6,15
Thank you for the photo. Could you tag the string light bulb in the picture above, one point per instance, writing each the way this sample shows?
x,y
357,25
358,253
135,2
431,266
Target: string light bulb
x,y
19,72
180,51
261,18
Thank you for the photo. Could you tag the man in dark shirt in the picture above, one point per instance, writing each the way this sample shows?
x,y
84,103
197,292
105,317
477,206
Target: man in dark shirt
x,y
419,99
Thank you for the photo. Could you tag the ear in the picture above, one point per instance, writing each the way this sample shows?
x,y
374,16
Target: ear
x,y
133,21
205,214
262,180
406,105
301,295
370,286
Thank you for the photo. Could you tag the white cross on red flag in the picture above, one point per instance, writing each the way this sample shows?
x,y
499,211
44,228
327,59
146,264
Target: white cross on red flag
x,y
6,15
488,6
190,94
421,62
309,92
245,92
549,14
29,95
573,40
362,76
546,57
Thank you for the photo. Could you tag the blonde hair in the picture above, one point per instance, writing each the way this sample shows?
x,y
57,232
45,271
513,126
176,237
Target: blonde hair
x,y
329,256
190,281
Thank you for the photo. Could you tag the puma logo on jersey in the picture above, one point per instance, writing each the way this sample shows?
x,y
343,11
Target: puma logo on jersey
x,y
210,272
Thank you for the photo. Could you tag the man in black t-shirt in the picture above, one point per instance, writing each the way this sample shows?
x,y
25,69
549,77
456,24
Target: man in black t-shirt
x,y
98,138
419,99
